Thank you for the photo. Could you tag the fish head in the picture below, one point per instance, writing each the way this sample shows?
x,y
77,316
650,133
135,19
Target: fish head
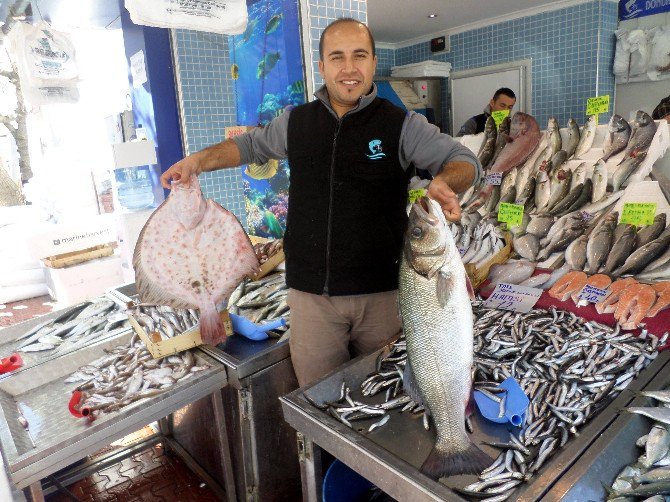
x,y
553,124
187,203
428,243
591,121
572,122
642,118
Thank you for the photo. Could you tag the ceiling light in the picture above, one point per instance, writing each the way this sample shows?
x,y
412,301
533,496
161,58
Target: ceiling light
x,y
431,16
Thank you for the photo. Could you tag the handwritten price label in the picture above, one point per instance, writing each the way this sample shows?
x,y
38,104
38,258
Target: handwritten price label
x,y
593,295
513,297
639,214
512,214
598,104
416,194
494,179
498,117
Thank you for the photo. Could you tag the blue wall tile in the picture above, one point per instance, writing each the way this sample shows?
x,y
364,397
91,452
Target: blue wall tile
x,y
385,60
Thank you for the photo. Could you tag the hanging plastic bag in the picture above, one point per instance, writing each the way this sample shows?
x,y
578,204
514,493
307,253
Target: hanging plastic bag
x,y
639,52
622,53
228,17
659,58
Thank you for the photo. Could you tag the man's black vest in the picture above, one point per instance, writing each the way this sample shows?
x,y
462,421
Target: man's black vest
x,y
347,198
481,122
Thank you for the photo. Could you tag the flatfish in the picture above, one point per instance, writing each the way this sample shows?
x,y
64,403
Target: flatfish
x,y
192,253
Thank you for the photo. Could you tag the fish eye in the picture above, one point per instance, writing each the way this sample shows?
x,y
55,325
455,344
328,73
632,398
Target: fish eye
x,y
417,232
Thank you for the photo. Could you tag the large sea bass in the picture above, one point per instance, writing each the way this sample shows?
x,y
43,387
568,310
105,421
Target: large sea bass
x,y
192,253
438,324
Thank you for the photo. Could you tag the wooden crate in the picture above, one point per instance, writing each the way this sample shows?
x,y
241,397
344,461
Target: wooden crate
x,y
272,262
81,256
184,341
478,275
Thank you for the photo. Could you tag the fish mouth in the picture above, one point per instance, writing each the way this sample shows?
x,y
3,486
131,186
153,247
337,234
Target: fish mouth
x,y
423,209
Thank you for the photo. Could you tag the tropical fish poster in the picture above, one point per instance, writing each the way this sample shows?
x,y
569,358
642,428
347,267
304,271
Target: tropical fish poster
x,y
267,71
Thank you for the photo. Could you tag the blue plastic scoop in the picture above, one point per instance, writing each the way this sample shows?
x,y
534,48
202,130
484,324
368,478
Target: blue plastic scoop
x,y
252,331
500,407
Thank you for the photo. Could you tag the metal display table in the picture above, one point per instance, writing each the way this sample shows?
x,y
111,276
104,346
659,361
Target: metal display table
x,y
390,455
263,449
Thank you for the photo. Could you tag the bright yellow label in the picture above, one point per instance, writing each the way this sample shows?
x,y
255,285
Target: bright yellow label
x,y
512,214
498,117
638,213
414,195
598,104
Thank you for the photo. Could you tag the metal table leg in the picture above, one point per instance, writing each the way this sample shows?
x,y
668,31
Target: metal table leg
x,y
224,446
311,474
34,492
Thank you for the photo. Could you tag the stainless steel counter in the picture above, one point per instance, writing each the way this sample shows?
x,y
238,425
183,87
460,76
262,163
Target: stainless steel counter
x,y
390,456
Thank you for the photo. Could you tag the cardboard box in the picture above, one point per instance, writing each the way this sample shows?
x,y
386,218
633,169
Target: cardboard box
x,y
271,263
81,282
184,341
478,275
52,240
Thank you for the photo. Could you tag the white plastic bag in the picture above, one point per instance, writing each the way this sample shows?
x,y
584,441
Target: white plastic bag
x,y
639,52
659,58
622,53
228,17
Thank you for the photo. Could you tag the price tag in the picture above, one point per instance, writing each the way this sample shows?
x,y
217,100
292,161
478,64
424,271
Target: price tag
x,y
462,251
586,217
593,295
494,179
638,213
416,194
512,214
498,117
598,104
513,297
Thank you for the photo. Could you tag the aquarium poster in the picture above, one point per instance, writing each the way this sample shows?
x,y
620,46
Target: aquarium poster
x,y
267,72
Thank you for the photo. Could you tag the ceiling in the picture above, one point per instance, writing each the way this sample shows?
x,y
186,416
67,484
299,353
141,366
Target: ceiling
x,y
397,21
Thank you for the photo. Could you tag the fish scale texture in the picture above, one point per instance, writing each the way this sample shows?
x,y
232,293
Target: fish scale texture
x,y
439,347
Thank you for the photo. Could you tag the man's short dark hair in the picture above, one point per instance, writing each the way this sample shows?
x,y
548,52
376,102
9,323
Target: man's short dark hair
x,y
340,21
506,91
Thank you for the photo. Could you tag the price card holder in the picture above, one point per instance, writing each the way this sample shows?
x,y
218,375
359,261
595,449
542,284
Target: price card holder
x,y
513,297
416,194
639,214
593,295
494,179
499,116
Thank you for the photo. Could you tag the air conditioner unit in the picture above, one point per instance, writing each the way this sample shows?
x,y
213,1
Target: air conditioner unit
x,y
423,69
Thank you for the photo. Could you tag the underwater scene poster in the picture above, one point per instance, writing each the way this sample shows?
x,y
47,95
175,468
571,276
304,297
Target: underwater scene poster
x,y
268,77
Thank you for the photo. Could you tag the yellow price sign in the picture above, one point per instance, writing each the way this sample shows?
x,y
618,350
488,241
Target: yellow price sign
x,y
512,214
639,214
598,104
498,117
416,194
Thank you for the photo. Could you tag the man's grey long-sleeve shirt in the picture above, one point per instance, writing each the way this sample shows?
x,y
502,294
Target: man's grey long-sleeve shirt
x,y
421,143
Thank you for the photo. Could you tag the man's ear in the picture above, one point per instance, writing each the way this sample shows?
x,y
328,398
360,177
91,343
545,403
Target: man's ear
x,y
491,103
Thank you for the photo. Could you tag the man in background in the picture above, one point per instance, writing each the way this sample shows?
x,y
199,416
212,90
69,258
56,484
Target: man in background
x,y
503,99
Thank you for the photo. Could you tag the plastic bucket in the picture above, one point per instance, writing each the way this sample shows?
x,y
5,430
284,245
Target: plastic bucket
x,y
342,484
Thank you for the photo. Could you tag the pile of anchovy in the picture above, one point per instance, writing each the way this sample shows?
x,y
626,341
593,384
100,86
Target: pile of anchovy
x,y
127,374
569,368
76,327
162,322
261,300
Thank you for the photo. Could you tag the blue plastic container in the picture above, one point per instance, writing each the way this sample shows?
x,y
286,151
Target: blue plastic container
x,y
342,484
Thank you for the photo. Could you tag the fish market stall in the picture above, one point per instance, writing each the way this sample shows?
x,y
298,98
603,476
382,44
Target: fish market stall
x,y
51,415
389,445
262,446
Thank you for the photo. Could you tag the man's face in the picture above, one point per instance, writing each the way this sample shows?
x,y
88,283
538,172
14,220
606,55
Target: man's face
x,y
347,66
501,103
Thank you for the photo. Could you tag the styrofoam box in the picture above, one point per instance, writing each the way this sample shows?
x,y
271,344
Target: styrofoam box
x,y
422,69
67,237
81,282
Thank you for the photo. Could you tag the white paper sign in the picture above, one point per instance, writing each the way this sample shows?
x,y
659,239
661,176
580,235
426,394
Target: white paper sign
x,y
512,297
593,295
138,69
494,179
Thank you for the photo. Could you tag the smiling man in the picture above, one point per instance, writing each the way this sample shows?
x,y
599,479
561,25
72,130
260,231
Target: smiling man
x,y
351,155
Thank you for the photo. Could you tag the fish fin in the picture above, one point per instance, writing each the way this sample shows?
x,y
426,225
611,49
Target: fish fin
x,y
444,287
442,464
212,330
471,290
411,387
